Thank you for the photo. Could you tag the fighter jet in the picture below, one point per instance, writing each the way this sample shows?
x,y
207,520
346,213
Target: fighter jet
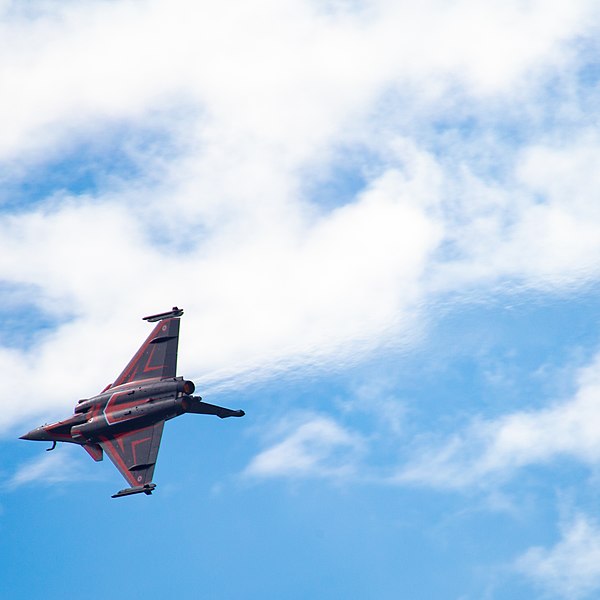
x,y
126,419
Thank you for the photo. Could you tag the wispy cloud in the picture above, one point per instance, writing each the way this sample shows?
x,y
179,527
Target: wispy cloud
x,y
492,450
316,446
570,568
51,468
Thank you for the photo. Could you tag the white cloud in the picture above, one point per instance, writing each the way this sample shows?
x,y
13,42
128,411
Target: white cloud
x,y
491,450
254,99
54,467
539,226
280,72
255,298
571,568
315,447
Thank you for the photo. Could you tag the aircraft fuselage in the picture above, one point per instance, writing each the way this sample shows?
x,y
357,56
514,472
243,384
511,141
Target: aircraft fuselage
x,y
126,407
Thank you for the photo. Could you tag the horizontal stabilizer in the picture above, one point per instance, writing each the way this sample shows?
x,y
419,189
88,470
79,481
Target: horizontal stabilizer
x,y
145,489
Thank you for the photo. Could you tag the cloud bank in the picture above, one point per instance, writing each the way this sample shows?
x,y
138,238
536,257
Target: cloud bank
x,y
231,121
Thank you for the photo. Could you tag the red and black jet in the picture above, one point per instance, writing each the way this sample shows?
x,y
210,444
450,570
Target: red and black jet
x,y
126,419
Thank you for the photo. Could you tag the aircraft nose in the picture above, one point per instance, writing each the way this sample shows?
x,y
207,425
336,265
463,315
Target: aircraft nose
x,y
38,435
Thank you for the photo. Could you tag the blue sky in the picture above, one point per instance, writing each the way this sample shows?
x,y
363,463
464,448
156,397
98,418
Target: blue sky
x,y
382,221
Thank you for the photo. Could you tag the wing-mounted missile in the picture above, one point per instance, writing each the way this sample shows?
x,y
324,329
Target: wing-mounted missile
x,y
140,489
175,312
